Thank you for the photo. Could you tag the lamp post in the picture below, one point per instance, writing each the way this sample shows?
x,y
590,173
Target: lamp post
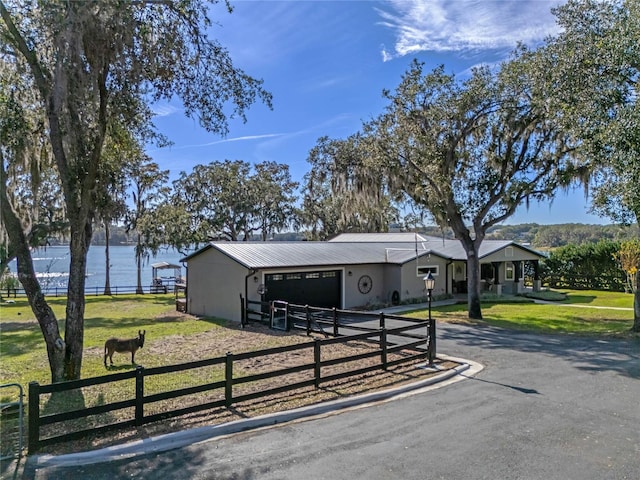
x,y
430,283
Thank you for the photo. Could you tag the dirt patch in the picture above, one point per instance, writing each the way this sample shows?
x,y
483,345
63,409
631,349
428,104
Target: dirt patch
x,y
217,342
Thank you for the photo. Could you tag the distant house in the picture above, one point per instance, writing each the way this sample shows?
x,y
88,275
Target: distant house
x,y
349,271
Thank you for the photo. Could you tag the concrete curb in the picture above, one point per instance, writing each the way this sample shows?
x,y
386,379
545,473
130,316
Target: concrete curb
x,y
170,441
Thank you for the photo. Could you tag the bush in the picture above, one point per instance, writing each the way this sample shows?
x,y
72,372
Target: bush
x,y
8,281
589,266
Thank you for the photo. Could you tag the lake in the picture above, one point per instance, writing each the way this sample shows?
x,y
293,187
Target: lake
x,y
52,266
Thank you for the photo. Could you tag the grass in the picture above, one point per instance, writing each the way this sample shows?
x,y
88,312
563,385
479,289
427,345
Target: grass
x,y
23,352
596,298
571,315
173,338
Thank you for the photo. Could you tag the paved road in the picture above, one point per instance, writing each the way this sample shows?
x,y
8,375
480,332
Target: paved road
x,y
544,407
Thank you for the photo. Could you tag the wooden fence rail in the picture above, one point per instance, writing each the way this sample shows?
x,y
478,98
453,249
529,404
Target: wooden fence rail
x,y
422,346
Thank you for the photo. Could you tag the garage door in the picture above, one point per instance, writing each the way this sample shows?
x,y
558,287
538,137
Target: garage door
x,y
318,289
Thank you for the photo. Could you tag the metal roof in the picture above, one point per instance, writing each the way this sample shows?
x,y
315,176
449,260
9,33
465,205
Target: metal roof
x,y
348,249
161,265
443,247
288,254
402,237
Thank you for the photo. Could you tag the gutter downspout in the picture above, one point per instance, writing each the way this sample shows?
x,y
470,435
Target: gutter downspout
x,y
251,273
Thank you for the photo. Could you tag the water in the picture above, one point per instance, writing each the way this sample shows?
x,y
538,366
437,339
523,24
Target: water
x,y
52,266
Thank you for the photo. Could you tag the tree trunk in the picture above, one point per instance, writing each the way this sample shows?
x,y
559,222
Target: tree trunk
x,y
139,289
472,247
636,305
27,276
107,278
74,325
473,285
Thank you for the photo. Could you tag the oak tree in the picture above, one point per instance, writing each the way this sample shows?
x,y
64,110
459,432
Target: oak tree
x,y
91,63
471,152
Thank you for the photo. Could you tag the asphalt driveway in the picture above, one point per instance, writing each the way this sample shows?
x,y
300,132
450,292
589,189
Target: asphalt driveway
x,y
544,407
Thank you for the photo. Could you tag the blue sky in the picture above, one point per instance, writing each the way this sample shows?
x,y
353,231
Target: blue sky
x,y
327,62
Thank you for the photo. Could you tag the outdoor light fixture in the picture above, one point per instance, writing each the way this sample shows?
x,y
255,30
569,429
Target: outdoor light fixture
x,y
430,283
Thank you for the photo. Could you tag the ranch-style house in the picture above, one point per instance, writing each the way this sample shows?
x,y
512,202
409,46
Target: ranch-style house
x,y
348,271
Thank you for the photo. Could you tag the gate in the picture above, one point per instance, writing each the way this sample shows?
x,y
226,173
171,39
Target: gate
x,y
12,412
279,315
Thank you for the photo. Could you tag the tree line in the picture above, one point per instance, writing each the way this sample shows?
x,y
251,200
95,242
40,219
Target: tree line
x,y
79,78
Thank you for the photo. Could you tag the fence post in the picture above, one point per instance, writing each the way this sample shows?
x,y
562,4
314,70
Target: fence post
x,y
382,320
432,340
139,395
34,417
383,347
308,313
228,377
335,322
316,362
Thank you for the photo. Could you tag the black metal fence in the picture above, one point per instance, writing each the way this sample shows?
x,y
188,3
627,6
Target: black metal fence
x,y
405,338
88,291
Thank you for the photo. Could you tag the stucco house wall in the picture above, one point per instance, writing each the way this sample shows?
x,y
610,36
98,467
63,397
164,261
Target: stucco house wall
x,y
392,282
413,280
353,298
215,283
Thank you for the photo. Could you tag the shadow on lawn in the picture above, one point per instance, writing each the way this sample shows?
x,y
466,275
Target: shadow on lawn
x,y
580,299
588,353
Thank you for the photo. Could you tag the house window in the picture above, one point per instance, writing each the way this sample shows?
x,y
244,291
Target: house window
x,y
276,276
313,275
328,274
293,276
509,272
508,252
424,270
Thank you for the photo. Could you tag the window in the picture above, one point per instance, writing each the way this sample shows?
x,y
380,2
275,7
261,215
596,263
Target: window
x,y
508,252
293,276
509,272
424,270
313,275
328,274
275,277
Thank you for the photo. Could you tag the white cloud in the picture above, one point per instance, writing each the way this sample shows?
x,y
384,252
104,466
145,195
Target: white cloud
x,y
235,139
466,25
164,109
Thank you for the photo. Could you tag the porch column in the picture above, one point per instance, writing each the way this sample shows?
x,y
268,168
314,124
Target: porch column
x,y
496,277
537,283
517,274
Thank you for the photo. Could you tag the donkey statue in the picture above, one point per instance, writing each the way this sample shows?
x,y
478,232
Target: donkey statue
x,y
121,346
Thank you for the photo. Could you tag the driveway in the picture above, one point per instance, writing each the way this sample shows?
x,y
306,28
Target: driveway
x,y
544,407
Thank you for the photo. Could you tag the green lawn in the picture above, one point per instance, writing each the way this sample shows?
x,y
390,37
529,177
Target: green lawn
x,y
595,298
557,317
23,355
